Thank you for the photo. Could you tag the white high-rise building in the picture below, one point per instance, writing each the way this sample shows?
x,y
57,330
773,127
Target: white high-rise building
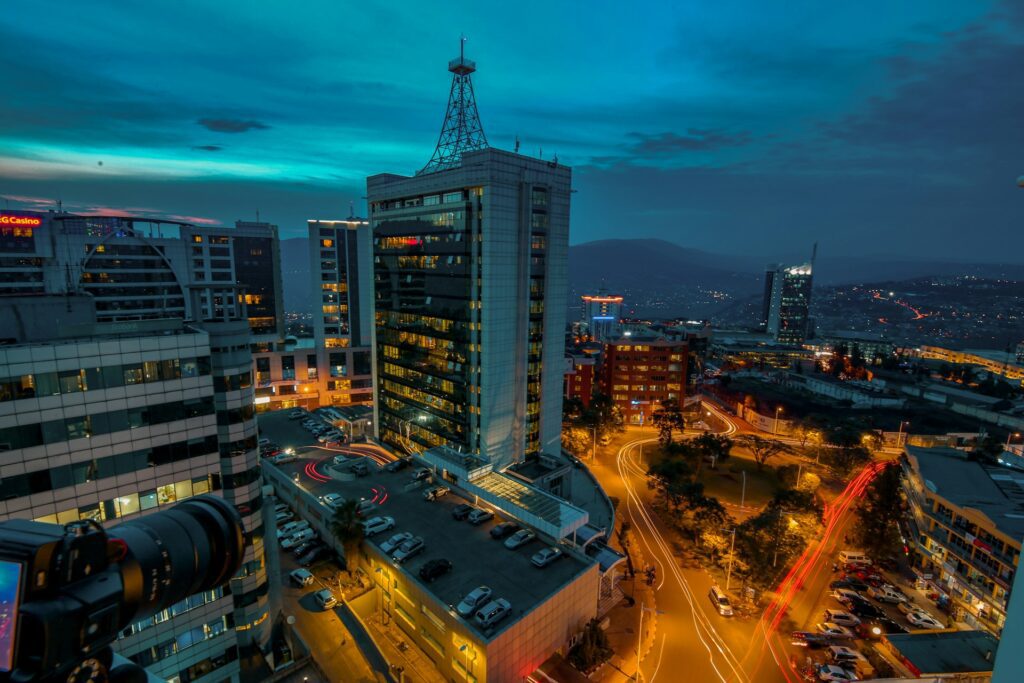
x,y
470,277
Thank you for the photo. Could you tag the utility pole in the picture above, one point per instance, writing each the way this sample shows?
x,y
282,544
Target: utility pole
x,y
732,549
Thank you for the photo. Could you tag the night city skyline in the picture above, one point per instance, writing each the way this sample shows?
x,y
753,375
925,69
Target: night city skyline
x,y
871,130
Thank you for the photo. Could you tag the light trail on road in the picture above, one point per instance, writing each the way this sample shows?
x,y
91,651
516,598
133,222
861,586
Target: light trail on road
x,y
808,565
661,552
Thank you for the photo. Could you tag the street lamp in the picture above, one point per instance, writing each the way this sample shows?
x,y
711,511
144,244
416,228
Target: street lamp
x,y
899,435
775,429
732,548
1014,435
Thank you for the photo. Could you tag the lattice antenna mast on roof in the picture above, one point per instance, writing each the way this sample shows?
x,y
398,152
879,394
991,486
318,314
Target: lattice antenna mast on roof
x,y
462,130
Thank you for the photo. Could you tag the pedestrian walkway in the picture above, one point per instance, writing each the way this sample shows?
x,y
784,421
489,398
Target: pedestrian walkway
x,y
407,662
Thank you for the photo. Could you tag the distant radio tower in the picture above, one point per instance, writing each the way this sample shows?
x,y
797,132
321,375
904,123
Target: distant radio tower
x,y
462,130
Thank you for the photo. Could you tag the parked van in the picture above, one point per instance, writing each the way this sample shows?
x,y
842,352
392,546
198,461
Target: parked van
x,y
721,601
853,557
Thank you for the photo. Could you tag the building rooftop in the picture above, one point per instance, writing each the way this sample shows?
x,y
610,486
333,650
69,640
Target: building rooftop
x,y
477,558
946,651
352,413
996,492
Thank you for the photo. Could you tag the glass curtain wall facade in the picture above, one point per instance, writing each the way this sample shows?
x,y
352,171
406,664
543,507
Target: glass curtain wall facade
x,y
787,307
427,304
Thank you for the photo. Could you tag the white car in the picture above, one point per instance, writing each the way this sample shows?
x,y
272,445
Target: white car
x,y
546,556
389,546
924,620
476,599
303,577
831,672
408,549
282,458
298,538
341,459
297,414
284,516
375,525
332,500
846,596
886,593
478,516
842,618
833,630
325,598
493,612
519,539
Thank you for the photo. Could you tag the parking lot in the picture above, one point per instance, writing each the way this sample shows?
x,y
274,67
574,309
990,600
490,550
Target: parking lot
x,y
870,602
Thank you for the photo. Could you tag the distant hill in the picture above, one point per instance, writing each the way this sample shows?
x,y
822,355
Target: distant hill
x,y
649,264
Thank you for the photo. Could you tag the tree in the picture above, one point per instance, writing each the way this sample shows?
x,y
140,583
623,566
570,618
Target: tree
x,y
761,448
347,527
576,440
878,514
668,418
708,515
845,459
593,648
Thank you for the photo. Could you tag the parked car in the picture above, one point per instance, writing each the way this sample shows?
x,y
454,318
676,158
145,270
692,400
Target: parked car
x,y
263,442
361,469
461,511
546,556
341,459
421,475
375,525
297,414
306,546
476,599
281,507
834,631
843,656
290,528
332,499
325,598
364,506
388,546
851,583
908,607
841,617
493,612
808,639
283,516
924,620
864,609
478,516
435,569
846,596
519,539
720,601
831,672
408,548
298,538
302,577
397,465
500,531
282,458
885,593
435,492
316,553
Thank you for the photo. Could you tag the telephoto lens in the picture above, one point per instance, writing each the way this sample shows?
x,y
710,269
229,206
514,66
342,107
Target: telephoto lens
x,y
195,546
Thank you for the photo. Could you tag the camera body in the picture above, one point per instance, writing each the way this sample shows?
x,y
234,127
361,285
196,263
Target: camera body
x,y
66,591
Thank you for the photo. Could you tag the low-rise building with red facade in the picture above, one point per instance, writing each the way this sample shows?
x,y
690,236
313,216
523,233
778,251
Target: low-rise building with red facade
x,y
641,372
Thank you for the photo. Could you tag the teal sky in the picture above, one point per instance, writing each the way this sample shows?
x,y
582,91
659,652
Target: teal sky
x,y
732,126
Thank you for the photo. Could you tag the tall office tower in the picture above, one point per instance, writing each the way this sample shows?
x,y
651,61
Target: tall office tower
x,y
787,300
109,421
141,272
601,315
470,271
341,267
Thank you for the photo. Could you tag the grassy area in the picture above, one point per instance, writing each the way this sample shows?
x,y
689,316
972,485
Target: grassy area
x,y
726,481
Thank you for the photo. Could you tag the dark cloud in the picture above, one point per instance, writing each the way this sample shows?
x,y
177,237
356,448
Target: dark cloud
x,y
208,148
695,140
231,125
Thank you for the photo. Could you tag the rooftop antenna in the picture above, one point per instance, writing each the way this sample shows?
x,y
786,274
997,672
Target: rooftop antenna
x,y
351,209
517,145
814,255
461,131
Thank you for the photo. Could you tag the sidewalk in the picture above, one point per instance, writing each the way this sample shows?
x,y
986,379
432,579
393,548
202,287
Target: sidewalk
x,y
416,667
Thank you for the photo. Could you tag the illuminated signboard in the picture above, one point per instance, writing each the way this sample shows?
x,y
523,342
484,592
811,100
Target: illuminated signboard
x,y
24,221
17,232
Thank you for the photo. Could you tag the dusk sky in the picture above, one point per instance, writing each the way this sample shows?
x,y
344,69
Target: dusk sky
x,y
872,127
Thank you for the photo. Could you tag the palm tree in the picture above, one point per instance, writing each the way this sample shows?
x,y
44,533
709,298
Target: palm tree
x,y
348,528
